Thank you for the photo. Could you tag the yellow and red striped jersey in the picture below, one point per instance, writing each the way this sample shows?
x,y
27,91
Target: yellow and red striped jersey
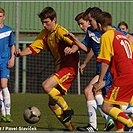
x,y
56,42
115,50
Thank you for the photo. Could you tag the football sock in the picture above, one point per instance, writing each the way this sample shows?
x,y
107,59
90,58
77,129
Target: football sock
x,y
120,116
127,109
7,100
92,107
120,126
99,100
57,97
2,106
59,114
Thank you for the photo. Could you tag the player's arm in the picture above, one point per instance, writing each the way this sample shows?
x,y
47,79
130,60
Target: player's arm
x,y
12,59
87,59
71,50
76,42
26,51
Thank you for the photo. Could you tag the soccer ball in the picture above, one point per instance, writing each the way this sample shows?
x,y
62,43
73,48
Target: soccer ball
x,y
32,115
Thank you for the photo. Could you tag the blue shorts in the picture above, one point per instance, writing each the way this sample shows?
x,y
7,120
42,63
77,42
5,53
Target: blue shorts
x,y
108,82
4,71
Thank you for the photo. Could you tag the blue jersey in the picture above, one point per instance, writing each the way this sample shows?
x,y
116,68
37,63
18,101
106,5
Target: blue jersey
x,y
6,41
92,40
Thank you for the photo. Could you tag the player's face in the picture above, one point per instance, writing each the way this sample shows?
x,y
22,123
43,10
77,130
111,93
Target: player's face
x,y
92,22
2,17
123,28
83,24
48,24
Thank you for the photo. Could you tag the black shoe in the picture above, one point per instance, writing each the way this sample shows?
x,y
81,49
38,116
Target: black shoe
x,y
67,115
110,124
128,129
88,128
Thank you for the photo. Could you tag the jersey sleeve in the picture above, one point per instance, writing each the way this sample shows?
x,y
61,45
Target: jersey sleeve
x,y
106,49
12,39
38,43
86,40
60,34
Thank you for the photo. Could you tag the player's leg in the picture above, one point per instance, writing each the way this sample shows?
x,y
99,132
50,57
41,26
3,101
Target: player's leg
x,y
109,124
6,99
118,96
59,114
49,87
2,106
128,110
5,75
91,106
117,114
62,79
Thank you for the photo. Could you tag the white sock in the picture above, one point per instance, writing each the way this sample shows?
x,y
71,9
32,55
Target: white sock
x,y
7,100
2,106
99,100
92,107
127,109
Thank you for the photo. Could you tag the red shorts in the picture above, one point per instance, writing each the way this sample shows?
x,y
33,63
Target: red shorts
x,y
65,77
119,95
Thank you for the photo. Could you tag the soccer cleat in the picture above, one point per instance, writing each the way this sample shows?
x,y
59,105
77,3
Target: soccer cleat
x,y
110,124
130,129
88,128
3,119
8,118
67,115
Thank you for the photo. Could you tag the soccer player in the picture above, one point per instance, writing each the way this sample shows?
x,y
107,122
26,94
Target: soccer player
x,y
52,38
84,24
115,54
7,60
92,41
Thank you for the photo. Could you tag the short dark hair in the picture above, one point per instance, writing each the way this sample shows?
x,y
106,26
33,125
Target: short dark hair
x,y
47,12
93,11
105,19
123,23
80,16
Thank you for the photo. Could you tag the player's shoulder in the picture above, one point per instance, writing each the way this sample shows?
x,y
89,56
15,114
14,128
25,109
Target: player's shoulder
x,y
7,27
60,28
92,33
109,34
91,29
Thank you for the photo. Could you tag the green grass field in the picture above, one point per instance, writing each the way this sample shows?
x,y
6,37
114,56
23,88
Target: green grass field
x,y
48,121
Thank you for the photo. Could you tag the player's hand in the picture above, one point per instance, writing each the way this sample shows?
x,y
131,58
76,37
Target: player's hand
x,y
97,86
82,67
70,35
17,53
68,51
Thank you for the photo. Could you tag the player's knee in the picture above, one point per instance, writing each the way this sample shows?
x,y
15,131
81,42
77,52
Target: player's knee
x,y
3,86
45,86
106,108
88,92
